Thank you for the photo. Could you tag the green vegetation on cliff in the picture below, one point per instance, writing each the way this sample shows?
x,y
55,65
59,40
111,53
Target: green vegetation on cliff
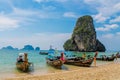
x,y
69,46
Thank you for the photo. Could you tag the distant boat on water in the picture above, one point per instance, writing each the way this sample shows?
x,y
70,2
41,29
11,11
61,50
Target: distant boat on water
x,y
106,58
50,51
43,53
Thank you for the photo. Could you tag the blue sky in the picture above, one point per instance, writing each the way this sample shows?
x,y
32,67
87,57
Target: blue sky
x,y
51,22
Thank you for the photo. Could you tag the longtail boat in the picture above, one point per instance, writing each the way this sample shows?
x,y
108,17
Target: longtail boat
x,y
56,62
117,55
43,53
106,58
23,65
78,61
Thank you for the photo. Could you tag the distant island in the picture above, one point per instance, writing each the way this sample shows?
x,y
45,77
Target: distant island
x,y
9,48
83,38
26,47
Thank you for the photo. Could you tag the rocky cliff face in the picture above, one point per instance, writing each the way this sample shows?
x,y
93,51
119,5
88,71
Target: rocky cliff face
x,y
84,37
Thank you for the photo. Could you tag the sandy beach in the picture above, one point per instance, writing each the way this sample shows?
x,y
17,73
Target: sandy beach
x,y
109,71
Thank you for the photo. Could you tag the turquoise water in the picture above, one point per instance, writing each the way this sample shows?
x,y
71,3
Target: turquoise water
x,y
89,53
8,61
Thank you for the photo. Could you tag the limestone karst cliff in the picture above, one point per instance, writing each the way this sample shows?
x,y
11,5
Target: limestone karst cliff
x,y
84,37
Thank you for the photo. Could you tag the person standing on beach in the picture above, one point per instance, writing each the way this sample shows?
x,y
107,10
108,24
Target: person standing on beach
x,y
117,55
96,53
84,56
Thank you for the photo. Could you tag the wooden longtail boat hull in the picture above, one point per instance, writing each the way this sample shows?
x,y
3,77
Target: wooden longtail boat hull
x,y
55,63
84,63
81,62
106,59
23,66
117,56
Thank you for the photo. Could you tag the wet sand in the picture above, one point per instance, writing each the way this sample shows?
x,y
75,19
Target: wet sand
x,y
109,71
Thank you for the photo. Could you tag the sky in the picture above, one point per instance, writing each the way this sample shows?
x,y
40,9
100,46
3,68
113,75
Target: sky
x,y
51,22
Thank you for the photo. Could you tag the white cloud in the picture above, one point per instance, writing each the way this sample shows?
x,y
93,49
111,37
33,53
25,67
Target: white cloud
x,y
8,23
55,39
90,1
117,19
108,36
43,40
112,26
38,1
48,8
105,9
29,13
101,29
111,41
118,33
44,13
70,15
99,18
16,18
117,7
107,27
20,17
22,12
61,0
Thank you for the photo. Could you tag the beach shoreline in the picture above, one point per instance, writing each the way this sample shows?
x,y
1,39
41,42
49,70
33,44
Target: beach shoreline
x,y
109,71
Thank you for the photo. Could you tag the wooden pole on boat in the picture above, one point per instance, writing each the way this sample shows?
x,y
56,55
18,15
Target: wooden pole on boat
x,y
96,53
25,57
25,61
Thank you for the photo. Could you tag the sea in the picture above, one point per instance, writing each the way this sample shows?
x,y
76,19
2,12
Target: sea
x,y
8,60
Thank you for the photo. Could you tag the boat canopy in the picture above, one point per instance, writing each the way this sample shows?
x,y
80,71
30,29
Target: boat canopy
x,y
51,52
21,54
